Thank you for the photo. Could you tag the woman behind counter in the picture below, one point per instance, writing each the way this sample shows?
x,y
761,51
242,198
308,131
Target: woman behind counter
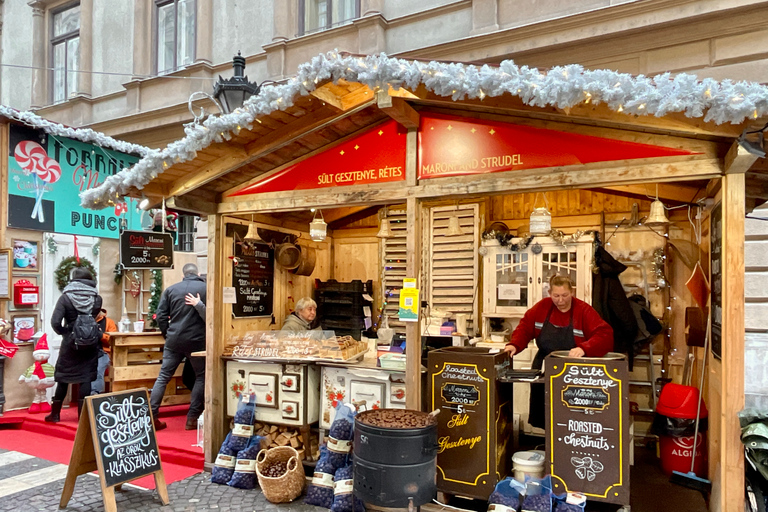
x,y
559,322
301,320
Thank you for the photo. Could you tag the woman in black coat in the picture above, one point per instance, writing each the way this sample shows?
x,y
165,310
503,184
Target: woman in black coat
x,y
74,366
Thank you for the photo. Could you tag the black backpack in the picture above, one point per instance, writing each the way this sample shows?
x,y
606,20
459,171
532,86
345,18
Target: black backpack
x,y
86,333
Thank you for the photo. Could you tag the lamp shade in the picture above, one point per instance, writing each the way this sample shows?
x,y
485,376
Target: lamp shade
x,y
318,228
384,231
252,232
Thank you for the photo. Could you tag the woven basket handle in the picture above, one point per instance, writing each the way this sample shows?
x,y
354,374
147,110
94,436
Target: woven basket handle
x,y
295,463
262,456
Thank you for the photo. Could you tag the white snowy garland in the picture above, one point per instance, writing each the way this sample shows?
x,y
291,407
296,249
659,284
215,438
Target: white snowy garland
x,y
82,134
561,86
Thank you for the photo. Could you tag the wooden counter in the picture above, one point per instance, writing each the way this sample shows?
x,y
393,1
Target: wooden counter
x,y
136,360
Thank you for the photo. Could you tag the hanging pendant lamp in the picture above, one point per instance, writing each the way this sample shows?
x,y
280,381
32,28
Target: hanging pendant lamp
x,y
318,228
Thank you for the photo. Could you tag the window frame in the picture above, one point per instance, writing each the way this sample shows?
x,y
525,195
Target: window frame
x,y
329,18
182,222
156,34
53,41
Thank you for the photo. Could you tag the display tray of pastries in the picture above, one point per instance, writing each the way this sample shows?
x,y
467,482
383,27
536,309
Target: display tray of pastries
x,y
277,345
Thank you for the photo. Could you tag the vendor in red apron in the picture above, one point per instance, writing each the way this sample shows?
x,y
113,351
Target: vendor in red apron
x,y
559,322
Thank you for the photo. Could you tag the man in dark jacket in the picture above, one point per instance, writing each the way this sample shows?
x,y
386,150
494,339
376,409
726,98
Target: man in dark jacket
x,y
181,317
74,366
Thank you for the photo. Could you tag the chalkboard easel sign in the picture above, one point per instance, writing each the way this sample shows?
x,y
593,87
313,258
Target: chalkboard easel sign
x,y
116,437
587,419
253,277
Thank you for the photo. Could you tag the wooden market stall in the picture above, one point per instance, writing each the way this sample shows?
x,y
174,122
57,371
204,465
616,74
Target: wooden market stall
x,y
387,147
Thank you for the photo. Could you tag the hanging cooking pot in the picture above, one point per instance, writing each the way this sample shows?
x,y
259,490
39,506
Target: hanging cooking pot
x,y
306,262
288,256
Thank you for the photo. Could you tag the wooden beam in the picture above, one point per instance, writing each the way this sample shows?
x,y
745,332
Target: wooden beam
x,y
570,177
398,109
738,160
192,205
354,214
412,329
511,182
673,123
666,192
276,139
324,198
215,389
207,172
730,478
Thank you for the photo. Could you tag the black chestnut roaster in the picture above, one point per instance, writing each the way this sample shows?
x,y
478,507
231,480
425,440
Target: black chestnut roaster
x,y
395,467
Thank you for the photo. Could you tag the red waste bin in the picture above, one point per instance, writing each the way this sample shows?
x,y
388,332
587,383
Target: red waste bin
x,y
677,410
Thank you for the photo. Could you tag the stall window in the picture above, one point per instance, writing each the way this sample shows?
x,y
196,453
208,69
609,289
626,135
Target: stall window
x,y
317,15
65,51
175,34
186,230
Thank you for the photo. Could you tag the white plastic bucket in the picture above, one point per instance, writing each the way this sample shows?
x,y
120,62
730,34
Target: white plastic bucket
x,y
529,463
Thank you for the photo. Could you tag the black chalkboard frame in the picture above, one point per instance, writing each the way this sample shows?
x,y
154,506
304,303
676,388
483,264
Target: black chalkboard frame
x,y
86,452
251,253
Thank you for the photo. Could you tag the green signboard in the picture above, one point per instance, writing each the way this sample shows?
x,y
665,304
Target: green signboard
x,y
47,173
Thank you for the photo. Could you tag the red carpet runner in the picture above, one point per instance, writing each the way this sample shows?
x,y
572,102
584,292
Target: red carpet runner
x,y
53,441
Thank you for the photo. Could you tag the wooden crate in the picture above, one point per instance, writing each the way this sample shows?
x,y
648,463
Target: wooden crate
x,y
136,360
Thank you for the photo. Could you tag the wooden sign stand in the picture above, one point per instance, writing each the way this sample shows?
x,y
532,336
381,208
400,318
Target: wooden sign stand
x,y
84,457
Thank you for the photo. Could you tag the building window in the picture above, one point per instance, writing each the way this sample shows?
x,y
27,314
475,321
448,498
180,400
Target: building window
x,y
65,51
175,29
186,229
316,15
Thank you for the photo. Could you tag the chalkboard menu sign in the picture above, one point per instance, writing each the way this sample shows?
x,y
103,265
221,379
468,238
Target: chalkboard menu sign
x,y
253,279
115,437
716,266
146,249
587,418
474,425
126,440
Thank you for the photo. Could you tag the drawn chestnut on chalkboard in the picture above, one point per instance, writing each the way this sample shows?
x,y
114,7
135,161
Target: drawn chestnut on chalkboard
x,y
586,468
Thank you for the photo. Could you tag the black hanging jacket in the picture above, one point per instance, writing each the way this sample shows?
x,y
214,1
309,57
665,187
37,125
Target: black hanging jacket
x,y
611,302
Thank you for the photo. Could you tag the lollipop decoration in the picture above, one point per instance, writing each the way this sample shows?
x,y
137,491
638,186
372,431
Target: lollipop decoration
x,y
33,159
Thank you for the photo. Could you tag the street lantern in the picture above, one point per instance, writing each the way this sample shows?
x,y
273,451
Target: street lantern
x,y
232,93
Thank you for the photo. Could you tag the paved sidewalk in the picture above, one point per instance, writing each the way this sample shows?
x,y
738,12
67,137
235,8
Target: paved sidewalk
x,y
196,493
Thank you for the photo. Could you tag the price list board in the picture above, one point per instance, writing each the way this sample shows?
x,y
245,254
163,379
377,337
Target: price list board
x,y
146,249
474,425
587,421
253,278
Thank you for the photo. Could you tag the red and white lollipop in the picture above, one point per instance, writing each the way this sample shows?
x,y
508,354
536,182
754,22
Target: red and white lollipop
x,y
49,171
29,155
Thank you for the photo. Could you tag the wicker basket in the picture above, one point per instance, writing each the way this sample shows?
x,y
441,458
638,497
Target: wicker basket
x,y
287,487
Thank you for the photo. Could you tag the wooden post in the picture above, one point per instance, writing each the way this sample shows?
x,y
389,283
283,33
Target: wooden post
x,y
412,329
215,402
4,128
413,270
727,375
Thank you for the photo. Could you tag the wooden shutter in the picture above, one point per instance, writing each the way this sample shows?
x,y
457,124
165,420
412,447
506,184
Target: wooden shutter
x,y
452,268
393,261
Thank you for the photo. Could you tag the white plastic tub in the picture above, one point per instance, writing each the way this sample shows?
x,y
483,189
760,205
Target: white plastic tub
x,y
529,463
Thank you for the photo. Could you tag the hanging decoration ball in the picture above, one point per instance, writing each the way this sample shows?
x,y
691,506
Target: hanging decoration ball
x,y
118,271
96,248
63,271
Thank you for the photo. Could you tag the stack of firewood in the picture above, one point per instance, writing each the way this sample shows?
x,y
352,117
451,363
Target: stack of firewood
x,y
286,436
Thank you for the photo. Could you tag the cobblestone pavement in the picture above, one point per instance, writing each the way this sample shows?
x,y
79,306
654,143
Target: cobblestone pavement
x,y
196,493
